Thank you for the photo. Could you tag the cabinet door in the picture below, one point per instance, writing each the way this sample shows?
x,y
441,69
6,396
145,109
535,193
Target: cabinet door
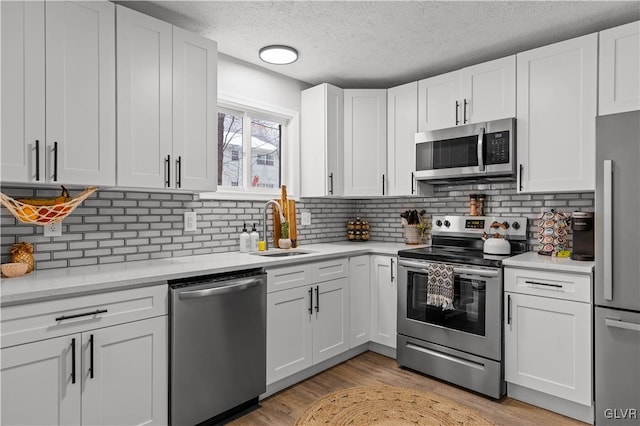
x,y
365,141
489,91
384,300
548,346
125,381
321,141
619,69
438,101
195,118
81,92
556,98
289,339
144,69
359,300
38,384
23,105
331,319
402,116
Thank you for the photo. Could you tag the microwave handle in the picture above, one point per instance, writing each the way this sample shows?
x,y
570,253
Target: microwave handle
x,y
480,154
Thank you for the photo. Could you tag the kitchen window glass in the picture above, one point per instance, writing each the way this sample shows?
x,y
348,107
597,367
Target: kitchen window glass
x,y
249,151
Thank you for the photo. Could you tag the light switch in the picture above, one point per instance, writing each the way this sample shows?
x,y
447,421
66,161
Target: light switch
x,y
190,222
306,218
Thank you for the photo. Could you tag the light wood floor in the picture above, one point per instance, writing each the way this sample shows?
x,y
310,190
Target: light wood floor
x,y
371,368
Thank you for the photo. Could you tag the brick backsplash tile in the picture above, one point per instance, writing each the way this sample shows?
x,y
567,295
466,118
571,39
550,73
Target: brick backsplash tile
x,y
118,226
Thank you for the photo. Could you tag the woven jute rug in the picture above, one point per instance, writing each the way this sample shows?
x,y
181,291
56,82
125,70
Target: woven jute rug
x,y
388,406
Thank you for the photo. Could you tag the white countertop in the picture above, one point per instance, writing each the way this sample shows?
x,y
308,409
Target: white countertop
x,y
533,260
55,283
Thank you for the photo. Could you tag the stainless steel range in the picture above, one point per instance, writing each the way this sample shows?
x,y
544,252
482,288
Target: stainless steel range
x,y
460,341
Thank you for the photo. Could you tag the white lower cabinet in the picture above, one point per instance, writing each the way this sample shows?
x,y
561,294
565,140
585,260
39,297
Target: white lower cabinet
x,y
548,346
97,376
384,297
307,324
548,340
359,299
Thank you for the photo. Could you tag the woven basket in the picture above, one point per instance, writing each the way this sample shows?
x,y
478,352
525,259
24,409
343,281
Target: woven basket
x,y
41,215
411,234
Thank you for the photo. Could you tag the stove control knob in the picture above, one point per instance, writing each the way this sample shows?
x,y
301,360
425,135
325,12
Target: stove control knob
x,y
516,225
447,223
438,222
506,225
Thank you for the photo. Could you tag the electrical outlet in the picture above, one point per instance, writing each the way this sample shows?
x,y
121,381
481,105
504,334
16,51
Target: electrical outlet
x,y
190,221
53,229
306,218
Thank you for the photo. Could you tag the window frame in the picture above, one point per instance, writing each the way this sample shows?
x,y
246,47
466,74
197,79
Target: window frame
x,y
289,149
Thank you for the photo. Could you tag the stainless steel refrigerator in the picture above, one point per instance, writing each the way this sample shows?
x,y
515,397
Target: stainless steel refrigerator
x,y
617,275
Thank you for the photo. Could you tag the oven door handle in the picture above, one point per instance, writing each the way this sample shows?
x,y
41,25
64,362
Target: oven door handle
x,y
484,273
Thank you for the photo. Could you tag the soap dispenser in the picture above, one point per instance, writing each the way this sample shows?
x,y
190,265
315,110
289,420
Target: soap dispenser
x,y
244,240
254,237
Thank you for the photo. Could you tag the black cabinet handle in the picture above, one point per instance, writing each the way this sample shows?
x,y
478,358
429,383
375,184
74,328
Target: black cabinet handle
x,y
310,300
37,160
413,181
331,183
91,356
457,107
508,309
464,112
544,284
85,314
382,184
392,276
317,298
179,172
520,180
167,171
55,161
73,360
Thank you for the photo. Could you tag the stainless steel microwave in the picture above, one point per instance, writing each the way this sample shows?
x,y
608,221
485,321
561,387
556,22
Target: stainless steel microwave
x,y
473,151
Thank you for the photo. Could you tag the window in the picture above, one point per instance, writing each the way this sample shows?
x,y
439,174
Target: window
x,y
249,150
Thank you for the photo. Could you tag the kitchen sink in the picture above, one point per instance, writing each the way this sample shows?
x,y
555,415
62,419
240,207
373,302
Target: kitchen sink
x,y
281,253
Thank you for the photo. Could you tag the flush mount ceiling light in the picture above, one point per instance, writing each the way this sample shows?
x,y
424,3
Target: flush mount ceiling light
x,y
278,54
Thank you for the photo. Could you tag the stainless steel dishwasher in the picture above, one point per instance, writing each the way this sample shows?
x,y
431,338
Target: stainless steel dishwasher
x,y
218,345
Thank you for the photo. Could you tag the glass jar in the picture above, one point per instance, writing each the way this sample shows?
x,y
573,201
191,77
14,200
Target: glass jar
x,y
481,202
473,204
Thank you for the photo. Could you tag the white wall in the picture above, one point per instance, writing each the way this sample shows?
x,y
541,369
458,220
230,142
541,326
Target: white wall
x,y
244,80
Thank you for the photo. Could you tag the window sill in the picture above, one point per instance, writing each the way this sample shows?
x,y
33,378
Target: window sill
x,y
244,196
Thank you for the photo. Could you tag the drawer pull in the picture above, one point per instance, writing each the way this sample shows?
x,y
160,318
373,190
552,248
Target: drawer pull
x,y
86,314
544,284
91,356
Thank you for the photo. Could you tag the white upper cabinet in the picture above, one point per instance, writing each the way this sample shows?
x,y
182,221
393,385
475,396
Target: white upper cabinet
x,y
489,91
195,105
167,105
402,125
23,107
321,143
65,130
438,104
145,59
365,142
620,69
474,94
557,100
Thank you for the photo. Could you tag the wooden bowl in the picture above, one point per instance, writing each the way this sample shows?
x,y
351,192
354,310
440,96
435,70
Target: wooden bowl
x,y
11,270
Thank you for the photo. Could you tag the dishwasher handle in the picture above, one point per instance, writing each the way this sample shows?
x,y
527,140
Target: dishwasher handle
x,y
238,285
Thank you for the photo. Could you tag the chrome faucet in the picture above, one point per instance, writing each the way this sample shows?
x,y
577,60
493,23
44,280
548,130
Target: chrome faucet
x,y
264,220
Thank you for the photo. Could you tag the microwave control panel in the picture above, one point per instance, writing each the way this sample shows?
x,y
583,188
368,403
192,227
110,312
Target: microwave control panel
x,y
497,147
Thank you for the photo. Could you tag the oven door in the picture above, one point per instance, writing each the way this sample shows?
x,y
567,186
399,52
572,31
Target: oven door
x,y
473,326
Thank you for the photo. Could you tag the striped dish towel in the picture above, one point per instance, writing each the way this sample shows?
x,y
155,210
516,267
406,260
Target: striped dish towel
x,y
440,286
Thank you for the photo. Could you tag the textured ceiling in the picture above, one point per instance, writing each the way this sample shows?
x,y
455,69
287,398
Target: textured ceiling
x,y
379,44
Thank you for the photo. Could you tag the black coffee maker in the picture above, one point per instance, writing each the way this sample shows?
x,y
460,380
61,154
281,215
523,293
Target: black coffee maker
x,y
583,236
